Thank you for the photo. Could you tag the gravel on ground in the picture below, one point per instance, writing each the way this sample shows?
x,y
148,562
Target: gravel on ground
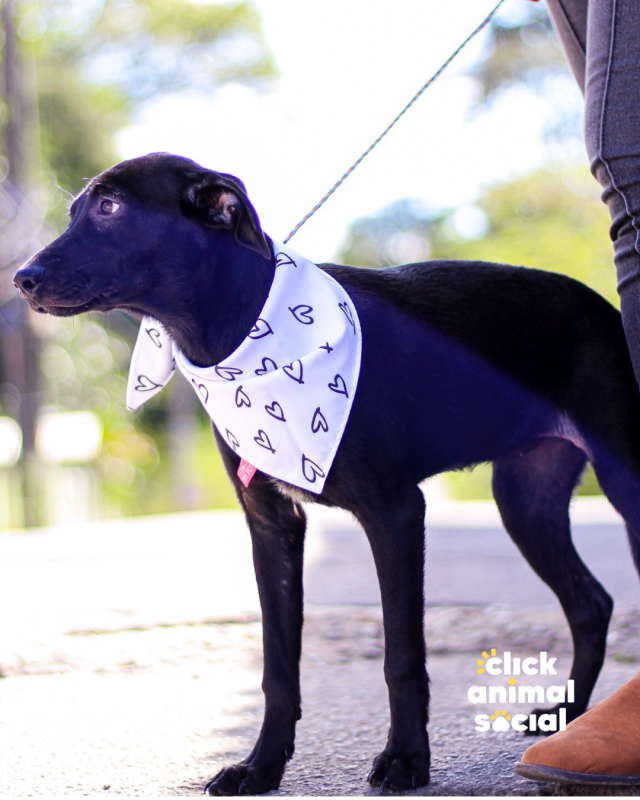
x,y
159,710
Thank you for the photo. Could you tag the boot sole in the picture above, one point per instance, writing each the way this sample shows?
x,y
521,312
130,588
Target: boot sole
x,y
535,772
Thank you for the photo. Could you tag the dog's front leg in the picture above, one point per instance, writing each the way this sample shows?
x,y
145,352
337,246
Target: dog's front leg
x,y
277,528
395,529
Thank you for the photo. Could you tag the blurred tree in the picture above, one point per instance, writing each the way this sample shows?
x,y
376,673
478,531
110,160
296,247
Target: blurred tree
x,y
522,49
20,223
74,72
523,54
98,61
551,219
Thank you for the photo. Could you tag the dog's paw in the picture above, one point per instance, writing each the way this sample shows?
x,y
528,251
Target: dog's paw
x,y
243,779
400,773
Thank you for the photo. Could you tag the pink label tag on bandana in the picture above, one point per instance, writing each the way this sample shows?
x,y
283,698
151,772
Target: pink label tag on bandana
x,y
246,471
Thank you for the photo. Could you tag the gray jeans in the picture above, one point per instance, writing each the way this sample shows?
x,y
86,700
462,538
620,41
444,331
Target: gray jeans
x,y
601,39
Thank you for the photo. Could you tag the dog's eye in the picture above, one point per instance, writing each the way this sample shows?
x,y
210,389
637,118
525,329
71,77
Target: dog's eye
x,y
108,207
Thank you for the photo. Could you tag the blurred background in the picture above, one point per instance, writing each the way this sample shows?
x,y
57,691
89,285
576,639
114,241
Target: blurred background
x,y
489,165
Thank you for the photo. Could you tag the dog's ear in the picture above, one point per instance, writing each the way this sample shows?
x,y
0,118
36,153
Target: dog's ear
x,y
221,201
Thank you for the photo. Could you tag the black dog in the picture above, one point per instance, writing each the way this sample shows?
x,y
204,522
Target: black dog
x,y
462,363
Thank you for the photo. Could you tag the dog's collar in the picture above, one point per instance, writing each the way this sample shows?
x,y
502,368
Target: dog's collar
x,y
283,398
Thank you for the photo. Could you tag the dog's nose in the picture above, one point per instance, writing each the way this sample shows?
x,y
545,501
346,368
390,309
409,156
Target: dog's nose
x,y
28,278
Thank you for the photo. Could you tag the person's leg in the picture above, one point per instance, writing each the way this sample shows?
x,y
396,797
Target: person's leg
x,y
612,133
602,41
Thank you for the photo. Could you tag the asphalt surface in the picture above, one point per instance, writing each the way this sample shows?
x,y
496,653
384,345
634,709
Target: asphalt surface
x,y
131,651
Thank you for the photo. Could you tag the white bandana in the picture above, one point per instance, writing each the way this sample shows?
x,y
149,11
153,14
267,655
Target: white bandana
x,y
282,399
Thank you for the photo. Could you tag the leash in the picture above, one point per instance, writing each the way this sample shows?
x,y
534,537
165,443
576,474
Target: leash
x,y
436,75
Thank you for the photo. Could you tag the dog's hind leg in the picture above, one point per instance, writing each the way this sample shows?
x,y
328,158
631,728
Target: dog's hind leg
x,y
277,527
394,525
533,492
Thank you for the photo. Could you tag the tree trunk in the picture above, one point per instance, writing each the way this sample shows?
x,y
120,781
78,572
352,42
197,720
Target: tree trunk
x,y
21,347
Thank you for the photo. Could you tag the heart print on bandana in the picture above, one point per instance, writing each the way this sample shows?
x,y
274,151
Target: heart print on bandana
x,y
283,397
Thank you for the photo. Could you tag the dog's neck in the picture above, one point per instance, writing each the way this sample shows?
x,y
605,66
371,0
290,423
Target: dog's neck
x,y
228,290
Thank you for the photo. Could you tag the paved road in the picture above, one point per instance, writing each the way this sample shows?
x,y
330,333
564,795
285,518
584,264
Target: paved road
x,y
159,704
196,567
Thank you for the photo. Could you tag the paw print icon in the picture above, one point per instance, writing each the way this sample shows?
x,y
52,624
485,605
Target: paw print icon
x,y
500,721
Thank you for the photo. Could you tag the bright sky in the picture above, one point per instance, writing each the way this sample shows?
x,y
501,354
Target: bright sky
x,y
347,67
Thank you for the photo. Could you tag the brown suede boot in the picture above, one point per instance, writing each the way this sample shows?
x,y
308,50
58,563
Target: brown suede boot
x,y
602,747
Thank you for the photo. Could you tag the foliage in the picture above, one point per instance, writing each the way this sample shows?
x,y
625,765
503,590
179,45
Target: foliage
x,y
523,50
523,55
78,124
98,61
551,219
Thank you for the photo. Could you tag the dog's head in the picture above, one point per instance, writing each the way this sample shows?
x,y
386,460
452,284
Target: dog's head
x,y
133,231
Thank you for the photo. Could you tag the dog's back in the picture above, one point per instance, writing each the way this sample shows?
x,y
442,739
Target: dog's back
x,y
528,323
493,356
